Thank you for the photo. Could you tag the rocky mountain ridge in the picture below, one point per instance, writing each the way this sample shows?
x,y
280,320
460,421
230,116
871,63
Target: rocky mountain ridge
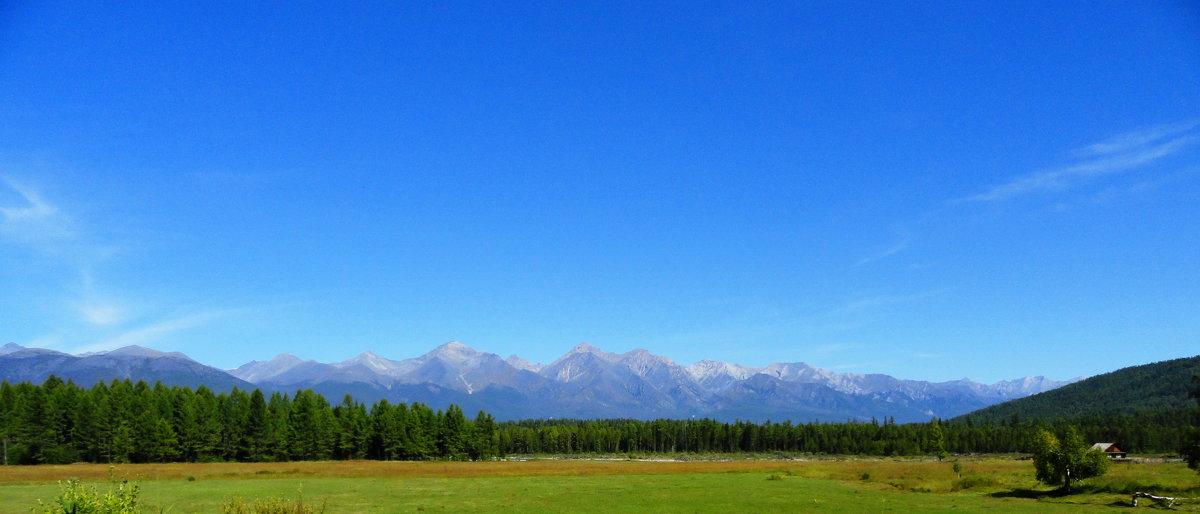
x,y
590,382
586,382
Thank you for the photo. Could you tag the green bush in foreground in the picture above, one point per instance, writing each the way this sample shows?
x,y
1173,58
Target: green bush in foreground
x,y
77,498
1066,462
237,505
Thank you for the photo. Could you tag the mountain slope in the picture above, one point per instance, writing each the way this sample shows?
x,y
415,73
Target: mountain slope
x,y
1155,386
586,382
132,362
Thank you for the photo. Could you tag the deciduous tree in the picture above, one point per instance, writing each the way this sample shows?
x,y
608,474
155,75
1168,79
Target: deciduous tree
x,y
1068,461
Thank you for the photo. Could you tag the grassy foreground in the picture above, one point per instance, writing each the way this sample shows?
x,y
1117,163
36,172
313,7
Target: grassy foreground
x,y
994,485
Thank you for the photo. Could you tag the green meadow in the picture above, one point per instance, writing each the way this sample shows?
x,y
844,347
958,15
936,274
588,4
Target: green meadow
x,y
852,485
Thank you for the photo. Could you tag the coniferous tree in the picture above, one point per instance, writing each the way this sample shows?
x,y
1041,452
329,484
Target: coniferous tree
x,y
483,437
208,426
279,408
256,428
352,428
234,408
1191,449
311,426
452,434
421,427
394,439
185,421
937,440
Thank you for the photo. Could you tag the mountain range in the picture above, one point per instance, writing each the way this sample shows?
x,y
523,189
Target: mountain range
x,y
586,382
20,364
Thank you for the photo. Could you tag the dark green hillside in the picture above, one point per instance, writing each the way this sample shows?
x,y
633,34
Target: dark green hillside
x,y
1150,387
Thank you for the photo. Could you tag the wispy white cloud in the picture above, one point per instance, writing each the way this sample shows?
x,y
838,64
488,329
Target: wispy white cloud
x,y
885,253
831,348
98,307
153,333
1069,176
33,220
229,178
883,300
1133,140
921,355
101,313
52,340
90,310
1115,155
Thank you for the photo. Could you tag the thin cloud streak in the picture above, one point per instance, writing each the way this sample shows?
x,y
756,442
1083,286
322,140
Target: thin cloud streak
x,y
885,300
101,314
831,348
152,333
1117,154
890,251
1069,176
1132,140
37,223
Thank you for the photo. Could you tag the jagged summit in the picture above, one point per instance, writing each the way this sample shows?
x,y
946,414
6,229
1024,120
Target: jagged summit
x,y
454,350
257,371
585,348
136,363
143,352
585,382
520,363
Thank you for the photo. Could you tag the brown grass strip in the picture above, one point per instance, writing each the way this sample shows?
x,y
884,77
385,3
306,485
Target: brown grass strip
x,y
350,469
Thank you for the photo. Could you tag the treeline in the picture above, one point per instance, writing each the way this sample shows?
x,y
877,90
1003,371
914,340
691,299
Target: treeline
x,y
123,421
1151,432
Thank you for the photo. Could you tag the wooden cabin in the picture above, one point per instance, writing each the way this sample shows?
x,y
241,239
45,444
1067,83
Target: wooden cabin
x,y
1110,449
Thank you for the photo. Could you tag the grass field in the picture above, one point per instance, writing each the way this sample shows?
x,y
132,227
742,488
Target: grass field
x,y
853,485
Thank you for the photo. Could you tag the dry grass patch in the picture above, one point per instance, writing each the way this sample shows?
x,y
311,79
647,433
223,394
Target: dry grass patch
x,y
379,469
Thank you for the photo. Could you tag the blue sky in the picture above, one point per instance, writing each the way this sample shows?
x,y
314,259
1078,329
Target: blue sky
x,y
926,189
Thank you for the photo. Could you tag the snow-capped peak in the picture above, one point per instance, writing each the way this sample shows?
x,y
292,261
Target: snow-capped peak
x,y
143,352
370,361
454,351
520,363
708,368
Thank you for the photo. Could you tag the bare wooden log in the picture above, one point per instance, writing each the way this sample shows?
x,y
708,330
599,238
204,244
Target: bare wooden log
x,y
1161,500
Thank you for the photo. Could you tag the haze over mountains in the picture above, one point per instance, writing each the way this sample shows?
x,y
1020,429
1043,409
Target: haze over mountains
x,y
20,364
586,382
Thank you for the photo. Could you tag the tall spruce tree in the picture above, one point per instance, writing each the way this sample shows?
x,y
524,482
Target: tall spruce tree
x,y
1191,449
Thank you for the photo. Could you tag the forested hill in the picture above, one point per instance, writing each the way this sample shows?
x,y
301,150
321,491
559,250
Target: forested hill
x,y
1137,389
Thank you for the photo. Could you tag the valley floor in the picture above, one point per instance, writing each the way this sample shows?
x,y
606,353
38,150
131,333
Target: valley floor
x,y
552,485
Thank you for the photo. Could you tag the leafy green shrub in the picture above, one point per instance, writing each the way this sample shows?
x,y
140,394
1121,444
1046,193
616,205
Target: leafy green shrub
x,y
237,505
775,476
971,482
866,475
1066,462
76,498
